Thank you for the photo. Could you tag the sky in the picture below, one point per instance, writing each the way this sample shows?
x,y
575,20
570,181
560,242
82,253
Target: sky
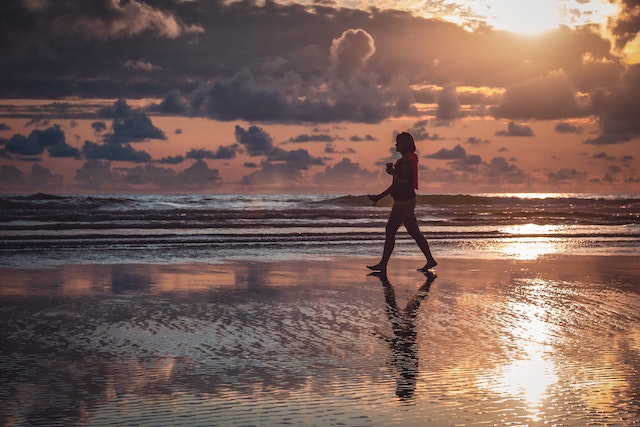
x,y
212,96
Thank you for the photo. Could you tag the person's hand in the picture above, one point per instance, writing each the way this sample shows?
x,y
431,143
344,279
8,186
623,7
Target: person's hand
x,y
374,198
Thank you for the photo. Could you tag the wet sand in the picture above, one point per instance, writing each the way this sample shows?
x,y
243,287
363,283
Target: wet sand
x,y
551,341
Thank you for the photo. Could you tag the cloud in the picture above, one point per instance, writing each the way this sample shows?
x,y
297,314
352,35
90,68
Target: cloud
x,y
128,125
618,110
97,175
199,175
544,98
141,65
223,152
350,52
474,140
99,126
272,175
457,152
419,132
564,127
322,137
52,139
515,129
99,20
137,127
150,175
299,159
114,151
626,26
344,171
256,140
172,160
358,138
566,175
173,103
4,126
448,104
10,177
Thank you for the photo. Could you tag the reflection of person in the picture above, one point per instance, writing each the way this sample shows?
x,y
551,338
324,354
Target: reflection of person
x,y
402,189
403,344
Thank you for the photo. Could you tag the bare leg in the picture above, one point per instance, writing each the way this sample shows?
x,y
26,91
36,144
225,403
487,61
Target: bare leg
x,y
411,224
393,224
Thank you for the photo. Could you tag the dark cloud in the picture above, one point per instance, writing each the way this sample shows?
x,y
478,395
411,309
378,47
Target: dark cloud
x,y
357,138
256,140
134,128
515,129
602,156
545,98
172,160
566,175
419,132
260,61
564,127
223,152
4,126
299,159
618,110
114,151
51,139
322,137
99,126
626,25
457,152
98,20
474,140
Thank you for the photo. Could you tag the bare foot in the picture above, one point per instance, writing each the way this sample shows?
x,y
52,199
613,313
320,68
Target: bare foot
x,y
429,265
377,267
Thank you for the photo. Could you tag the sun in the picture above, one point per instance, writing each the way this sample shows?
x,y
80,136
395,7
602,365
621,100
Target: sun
x,y
526,17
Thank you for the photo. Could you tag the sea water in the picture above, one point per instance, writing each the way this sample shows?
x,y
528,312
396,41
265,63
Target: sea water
x,y
45,229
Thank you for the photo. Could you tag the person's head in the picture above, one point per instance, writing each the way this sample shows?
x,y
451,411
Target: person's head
x,y
405,143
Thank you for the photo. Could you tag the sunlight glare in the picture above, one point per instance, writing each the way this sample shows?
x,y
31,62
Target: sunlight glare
x,y
529,376
524,16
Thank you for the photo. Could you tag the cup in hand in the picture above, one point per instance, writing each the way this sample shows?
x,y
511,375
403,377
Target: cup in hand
x,y
389,167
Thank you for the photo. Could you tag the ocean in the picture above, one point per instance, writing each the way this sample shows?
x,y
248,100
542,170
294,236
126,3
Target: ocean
x,y
44,229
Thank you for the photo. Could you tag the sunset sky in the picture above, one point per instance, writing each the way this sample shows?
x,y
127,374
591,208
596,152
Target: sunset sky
x,y
305,97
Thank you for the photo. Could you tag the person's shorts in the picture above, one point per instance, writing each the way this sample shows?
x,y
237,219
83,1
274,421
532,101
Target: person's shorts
x,y
404,208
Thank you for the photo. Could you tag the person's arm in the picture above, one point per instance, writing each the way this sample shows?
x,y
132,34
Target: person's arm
x,y
377,197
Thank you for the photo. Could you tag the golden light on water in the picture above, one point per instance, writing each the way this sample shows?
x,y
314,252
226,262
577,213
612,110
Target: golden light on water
x,y
530,248
531,372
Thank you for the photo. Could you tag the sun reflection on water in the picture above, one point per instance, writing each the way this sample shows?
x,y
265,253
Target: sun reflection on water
x,y
530,371
531,247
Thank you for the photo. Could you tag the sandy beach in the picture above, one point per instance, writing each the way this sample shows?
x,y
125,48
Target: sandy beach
x,y
550,341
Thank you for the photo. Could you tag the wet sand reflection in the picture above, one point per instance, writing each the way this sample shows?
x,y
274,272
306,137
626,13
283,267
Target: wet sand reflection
x,y
404,349
551,341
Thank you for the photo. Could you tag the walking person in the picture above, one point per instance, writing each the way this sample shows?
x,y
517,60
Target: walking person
x,y
402,190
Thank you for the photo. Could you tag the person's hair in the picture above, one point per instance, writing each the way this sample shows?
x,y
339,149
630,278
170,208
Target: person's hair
x,y
407,139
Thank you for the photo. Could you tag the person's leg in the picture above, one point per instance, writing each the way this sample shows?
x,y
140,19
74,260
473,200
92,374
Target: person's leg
x,y
411,224
393,224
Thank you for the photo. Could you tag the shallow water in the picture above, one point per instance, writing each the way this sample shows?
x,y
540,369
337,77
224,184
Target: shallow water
x,y
554,341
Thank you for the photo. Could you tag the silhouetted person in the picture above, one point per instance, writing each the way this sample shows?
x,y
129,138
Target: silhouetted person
x,y
402,189
403,344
